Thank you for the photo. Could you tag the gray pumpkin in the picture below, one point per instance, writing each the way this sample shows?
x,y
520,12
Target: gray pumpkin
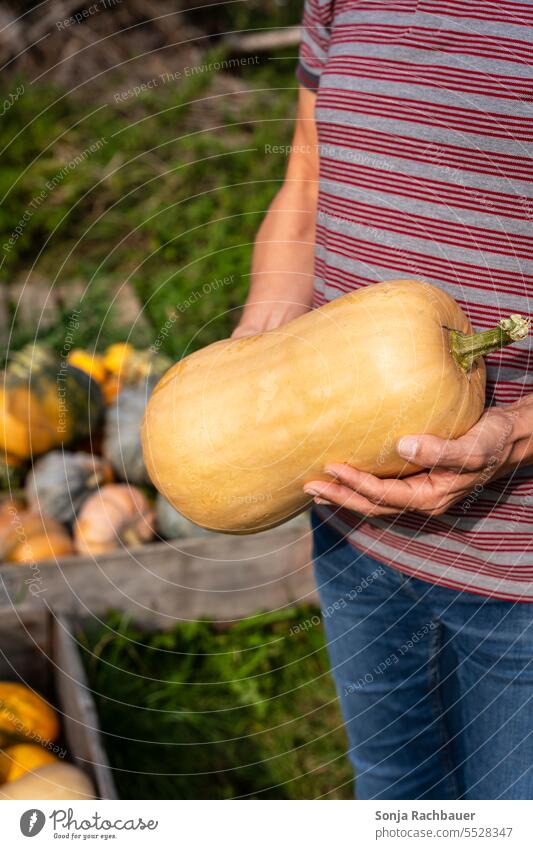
x,y
171,524
301,522
59,482
122,435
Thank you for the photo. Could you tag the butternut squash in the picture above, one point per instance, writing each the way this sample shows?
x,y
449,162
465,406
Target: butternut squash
x,y
233,432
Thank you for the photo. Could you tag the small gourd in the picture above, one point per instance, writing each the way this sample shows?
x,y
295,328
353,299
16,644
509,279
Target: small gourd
x,y
60,482
91,364
25,715
45,403
133,366
122,433
21,758
116,515
55,781
29,537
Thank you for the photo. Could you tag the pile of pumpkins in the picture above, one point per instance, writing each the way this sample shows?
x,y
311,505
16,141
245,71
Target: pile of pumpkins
x,y
71,458
31,761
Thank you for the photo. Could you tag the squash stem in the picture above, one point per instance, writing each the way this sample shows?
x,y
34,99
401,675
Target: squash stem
x,y
466,348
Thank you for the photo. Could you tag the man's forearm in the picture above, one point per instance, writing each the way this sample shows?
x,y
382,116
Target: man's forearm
x,y
283,261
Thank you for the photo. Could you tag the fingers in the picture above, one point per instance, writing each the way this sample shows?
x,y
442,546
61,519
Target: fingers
x,y
372,496
431,452
386,493
361,491
335,493
241,331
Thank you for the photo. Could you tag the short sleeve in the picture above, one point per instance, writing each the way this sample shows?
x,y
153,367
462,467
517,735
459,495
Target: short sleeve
x,y
314,44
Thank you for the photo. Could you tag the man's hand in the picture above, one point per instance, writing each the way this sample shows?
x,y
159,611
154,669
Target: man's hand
x,y
260,317
498,442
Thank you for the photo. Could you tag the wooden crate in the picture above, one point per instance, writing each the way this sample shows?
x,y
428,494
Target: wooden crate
x,y
217,576
38,649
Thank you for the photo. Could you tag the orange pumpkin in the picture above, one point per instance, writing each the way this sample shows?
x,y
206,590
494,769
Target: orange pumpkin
x,y
118,514
111,388
91,364
28,537
45,546
24,714
45,403
21,758
54,781
134,366
116,357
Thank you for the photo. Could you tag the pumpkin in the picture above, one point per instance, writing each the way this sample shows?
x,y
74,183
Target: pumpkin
x,y
45,546
12,471
54,781
134,366
44,403
91,364
60,482
111,388
116,356
122,433
116,515
7,506
234,431
171,524
21,758
28,537
24,714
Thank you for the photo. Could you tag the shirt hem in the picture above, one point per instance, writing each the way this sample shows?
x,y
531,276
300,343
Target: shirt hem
x,y
429,578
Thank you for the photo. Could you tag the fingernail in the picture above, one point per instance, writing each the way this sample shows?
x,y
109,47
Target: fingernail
x,y
329,470
320,501
407,447
310,490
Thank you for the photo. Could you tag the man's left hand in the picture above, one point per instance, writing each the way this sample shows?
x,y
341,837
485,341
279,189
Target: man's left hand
x,y
453,468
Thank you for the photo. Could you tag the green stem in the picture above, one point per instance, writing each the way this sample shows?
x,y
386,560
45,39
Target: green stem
x,y
466,348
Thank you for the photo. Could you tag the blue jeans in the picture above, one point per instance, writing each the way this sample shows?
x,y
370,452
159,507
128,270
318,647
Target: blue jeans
x,y
435,685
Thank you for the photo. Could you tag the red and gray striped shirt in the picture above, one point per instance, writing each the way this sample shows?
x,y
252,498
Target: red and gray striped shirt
x,y
425,125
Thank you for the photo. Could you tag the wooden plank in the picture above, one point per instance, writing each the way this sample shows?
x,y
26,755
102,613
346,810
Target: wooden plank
x,y
79,717
264,42
42,654
25,647
218,576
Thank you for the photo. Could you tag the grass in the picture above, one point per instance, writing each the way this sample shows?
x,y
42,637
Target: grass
x,y
204,713
164,191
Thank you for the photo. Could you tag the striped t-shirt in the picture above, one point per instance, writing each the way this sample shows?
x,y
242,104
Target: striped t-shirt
x,y
425,125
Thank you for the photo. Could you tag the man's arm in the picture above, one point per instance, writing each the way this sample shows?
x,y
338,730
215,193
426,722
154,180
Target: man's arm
x,y
283,258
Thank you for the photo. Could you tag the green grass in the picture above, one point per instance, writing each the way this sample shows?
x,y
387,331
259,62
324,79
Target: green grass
x,y
204,713
169,200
